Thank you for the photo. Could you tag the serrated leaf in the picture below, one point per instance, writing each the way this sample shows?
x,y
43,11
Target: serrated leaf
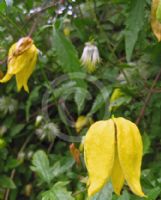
x,y
57,192
62,166
40,165
134,23
154,193
48,195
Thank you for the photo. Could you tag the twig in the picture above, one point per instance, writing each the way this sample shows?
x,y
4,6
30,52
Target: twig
x,y
41,10
148,97
38,14
7,192
33,27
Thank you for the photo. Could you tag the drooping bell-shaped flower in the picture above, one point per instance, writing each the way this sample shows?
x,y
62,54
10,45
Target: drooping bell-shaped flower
x,y
113,151
22,59
156,18
90,57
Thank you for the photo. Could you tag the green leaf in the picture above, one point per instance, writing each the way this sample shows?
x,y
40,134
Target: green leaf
x,y
7,182
57,192
48,195
12,163
104,194
134,23
80,97
67,56
41,166
66,53
146,143
119,102
34,95
17,129
2,6
124,196
62,166
154,193
101,99
64,89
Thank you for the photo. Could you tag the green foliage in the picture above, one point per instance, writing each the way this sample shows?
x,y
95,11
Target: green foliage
x,y
35,158
134,23
7,182
105,194
66,53
57,192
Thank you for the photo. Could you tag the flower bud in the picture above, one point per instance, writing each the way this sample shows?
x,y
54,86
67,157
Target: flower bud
x,y
90,57
38,121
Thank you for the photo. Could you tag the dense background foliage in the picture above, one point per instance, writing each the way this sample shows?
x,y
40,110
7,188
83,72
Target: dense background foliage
x,y
34,163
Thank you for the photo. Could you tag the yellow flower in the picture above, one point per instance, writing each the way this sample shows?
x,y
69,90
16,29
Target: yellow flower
x,y
81,122
155,24
113,149
22,59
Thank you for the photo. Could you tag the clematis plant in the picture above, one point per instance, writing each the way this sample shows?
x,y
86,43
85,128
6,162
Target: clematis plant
x,y
113,150
22,59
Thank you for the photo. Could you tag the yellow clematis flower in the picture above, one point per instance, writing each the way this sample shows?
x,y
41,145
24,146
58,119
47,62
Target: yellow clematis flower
x,y
113,150
22,59
155,24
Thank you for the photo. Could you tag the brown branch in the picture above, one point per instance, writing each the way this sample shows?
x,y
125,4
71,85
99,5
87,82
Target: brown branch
x,y
148,97
43,9
37,15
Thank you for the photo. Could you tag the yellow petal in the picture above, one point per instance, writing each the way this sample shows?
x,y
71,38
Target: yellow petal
x,y
117,175
155,24
117,93
23,76
6,78
8,75
80,123
99,150
130,153
18,63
